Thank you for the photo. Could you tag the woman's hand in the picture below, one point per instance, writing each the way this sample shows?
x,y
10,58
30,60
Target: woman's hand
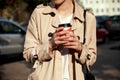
x,y
66,38
60,36
73,43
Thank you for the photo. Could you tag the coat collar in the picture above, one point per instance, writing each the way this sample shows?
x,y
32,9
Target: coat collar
x,y
50,9
78,11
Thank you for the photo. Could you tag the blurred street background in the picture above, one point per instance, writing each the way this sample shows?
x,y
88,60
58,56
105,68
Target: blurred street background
x,y
107,66
14,17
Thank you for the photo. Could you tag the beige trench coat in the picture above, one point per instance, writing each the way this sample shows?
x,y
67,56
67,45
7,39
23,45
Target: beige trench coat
x,y
45,20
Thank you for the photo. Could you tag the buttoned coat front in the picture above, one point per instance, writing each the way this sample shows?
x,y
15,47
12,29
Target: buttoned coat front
x,y
49,67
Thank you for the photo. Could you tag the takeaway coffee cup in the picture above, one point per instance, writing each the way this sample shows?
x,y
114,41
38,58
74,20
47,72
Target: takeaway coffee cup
x,y
66,26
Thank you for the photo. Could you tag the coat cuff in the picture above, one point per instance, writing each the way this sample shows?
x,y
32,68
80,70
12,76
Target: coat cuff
x,y
43,53
82,56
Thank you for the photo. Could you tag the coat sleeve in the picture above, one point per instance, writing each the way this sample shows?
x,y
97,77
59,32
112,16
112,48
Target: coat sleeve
x,y
34,49
88,53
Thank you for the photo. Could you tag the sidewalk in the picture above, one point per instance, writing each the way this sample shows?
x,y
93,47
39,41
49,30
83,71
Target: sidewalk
x,y
15,71
107,66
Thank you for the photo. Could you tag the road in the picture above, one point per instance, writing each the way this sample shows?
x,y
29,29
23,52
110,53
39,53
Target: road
x,y
107,66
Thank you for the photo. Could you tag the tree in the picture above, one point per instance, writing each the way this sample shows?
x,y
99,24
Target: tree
x,y
33,3
16,9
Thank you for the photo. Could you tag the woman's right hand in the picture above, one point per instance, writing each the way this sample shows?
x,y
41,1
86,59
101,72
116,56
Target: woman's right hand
x,y
60,36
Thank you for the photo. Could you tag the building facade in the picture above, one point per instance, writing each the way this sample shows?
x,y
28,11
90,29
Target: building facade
x,y
102,7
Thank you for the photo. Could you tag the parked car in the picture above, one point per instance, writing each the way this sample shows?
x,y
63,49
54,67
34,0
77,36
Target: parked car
x,y
102,19
113,26
11,37
102,34
101,31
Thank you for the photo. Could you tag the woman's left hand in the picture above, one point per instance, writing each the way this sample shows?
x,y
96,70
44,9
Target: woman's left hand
x,y
73,43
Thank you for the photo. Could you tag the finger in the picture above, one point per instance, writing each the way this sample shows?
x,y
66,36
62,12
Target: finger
x,y
70,47
60,42
72,42
59,29
77,46
61,35
75,37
